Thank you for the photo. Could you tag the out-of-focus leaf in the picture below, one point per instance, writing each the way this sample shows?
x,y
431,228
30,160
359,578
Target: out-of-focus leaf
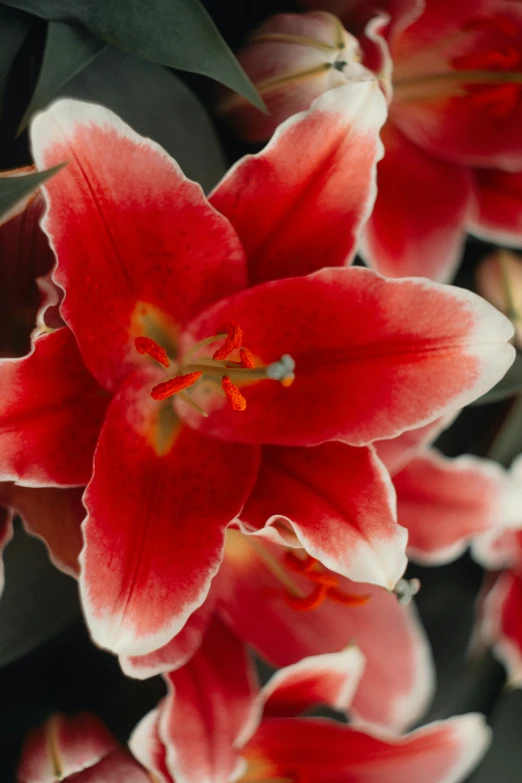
x,y
508,441
504,760
68,49
177,33
153,101
508,386
14,27
15,189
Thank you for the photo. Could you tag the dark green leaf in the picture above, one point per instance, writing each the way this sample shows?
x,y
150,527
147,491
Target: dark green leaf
x,y
153,101
177,33
15,189
508,386
13,30
68,49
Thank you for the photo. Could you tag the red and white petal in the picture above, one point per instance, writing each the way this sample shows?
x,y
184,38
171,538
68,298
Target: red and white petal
x,y
496,550
321,751
24,256
496,206
311,189
211,703
500,623
340,504
51,412
253,599
6,534
330,679
445,503
79,747
417,225
404,353
146,745
53,515
355,13
136,241
158,506
395,453
175,653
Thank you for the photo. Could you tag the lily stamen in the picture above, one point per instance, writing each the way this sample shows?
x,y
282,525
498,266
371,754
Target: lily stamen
x,y
146,346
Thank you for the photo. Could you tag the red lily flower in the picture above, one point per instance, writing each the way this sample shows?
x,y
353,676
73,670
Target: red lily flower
x,y
499,280
217,726
168,480
77,748
454,105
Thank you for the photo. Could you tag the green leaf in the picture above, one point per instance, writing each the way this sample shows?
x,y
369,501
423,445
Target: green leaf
x,y
13,31
15,189
508,386
68,49
177,33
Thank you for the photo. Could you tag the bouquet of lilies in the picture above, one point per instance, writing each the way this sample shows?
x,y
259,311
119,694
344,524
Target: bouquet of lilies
x,y
217,409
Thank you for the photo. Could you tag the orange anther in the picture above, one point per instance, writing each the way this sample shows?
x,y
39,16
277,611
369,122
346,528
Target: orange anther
x,y
145,345
233,341
299,564
234,396
174,385
246,358
308,602
346,598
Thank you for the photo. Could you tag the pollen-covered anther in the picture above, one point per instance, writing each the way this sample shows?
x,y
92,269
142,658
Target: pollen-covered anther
x,y
326,585
232,342
174,385
233,395
148,347
246,358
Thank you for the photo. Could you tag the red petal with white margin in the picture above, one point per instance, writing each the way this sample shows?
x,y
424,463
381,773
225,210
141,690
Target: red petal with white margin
x,y
395,686
54,515
158,506
78,746
175,653
402,354
321,751
211,703
6,534
500,623
51,412
339,502
298,213
397,452
417,225
137,242
444,503
146,745
355,13
329,679
496,206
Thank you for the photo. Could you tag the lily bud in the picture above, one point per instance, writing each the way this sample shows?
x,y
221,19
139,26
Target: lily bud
x,y
292,59
499,280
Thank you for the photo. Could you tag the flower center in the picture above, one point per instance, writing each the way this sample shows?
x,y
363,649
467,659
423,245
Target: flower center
x,y
490,78
220,369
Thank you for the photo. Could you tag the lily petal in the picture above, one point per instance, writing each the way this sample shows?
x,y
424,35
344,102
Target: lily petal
x,y
158,506
146,745
330,679
500,623
339,502
322,750
496,206
51,411
311,188
211,703
417,225
444,503
404,353
136,241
